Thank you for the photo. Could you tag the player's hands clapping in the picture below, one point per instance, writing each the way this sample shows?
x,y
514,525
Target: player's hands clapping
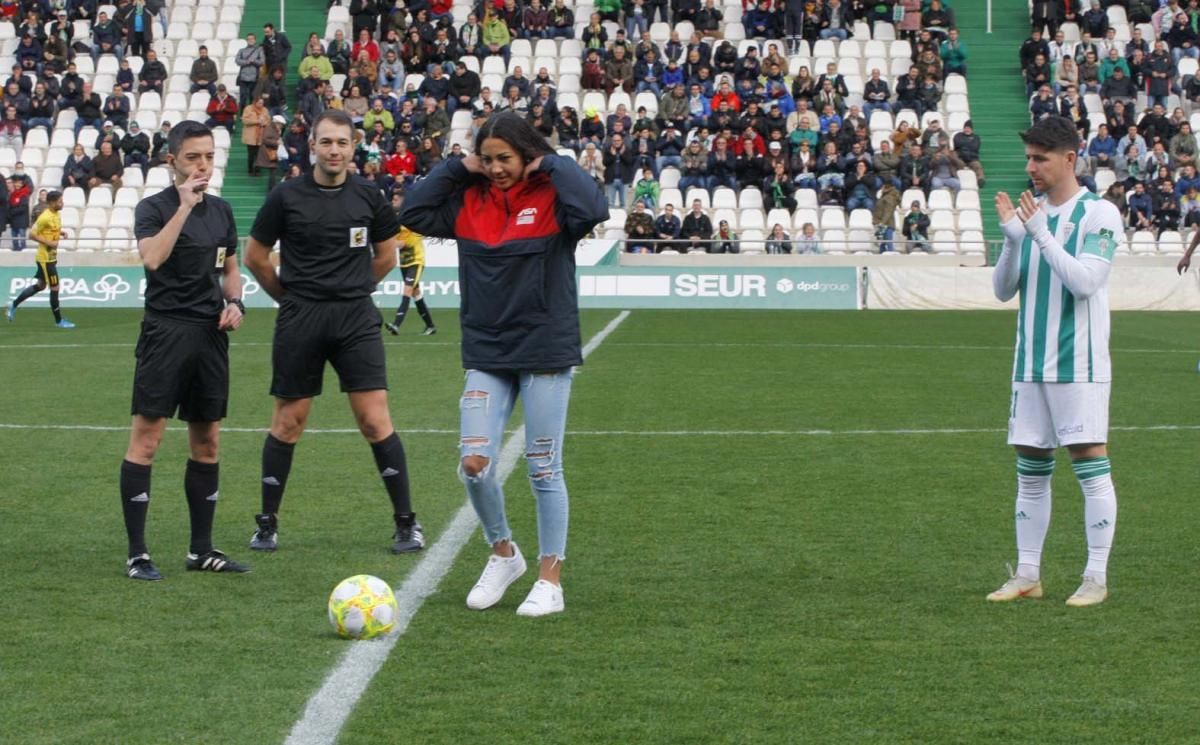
x,y
1014,230
231,318
193,190
1031,213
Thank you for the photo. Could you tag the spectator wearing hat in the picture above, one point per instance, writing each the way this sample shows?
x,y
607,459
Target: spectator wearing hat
x,y
222,110
967,146
159,145
135,146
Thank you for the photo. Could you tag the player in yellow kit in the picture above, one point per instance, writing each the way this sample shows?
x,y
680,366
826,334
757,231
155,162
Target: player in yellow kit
x,y
47,232
412,265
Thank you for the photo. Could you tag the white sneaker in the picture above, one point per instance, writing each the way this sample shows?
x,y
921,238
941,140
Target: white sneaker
x,y
1016,587
499,573
545,598
1090,592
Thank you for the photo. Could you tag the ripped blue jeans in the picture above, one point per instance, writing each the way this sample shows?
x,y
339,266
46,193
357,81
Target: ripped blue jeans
x,y
486,404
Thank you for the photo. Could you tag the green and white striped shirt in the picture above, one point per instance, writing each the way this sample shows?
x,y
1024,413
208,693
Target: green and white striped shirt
x,y
1062,338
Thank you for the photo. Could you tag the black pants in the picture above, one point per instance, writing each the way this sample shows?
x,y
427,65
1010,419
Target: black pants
x,y
251,157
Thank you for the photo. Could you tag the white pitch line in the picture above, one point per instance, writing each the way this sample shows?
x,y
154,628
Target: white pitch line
x,y
638,432
329,708
683,345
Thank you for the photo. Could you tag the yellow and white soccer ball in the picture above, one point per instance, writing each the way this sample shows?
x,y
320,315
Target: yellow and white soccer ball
x,y
362,607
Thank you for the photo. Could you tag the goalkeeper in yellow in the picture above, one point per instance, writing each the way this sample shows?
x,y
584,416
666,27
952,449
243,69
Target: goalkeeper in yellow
x,y
47,231
412,265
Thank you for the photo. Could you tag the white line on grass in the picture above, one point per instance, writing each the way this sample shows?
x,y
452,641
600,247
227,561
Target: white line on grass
x,y
682,344
326,712
640,432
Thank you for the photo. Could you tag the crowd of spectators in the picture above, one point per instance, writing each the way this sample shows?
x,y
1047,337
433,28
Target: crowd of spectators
x,y
1125,72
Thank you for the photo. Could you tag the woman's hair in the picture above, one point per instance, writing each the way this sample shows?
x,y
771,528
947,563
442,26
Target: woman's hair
x,y
517,132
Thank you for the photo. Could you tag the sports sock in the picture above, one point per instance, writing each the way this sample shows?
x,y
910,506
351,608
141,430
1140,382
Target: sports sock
x,y
1032,512
393,468
200,485
276,465
54,305
402,310
27,293
423,309
1099,512
135,502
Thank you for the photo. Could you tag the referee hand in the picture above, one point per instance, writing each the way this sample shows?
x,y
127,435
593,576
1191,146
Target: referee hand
x,y
193,189
231,318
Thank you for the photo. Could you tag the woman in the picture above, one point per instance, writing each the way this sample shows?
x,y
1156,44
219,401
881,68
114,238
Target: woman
x,y
254,120
78,170
356,105
520,326
428,156
860,188
268,152
778,241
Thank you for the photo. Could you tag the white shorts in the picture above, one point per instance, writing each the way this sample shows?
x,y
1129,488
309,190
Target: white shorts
x,y
1047,415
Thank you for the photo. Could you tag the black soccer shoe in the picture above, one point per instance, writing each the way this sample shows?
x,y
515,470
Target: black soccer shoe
x,y
140,567
429,331
266,538
409,538
392,328
214,561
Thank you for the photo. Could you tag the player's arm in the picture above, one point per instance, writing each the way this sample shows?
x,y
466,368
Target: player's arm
x,y
258,261
1186,261
156,249
1082,276
1006,278
231,279
385,258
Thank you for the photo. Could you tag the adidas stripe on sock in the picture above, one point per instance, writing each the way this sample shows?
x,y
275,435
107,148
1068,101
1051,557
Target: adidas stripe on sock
x,y
1032,515
1099,512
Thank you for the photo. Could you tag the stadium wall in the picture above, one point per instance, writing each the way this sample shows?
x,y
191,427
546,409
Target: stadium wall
x,y
681,282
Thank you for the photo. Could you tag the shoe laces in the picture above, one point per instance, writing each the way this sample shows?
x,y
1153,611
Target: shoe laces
x,y
494,566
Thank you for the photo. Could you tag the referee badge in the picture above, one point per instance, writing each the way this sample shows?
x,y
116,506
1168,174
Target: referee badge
x,y
358,237
221,250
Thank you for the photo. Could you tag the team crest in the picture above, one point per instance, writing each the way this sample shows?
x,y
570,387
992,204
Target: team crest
x,y
221,253
527,216
358,237
1069,228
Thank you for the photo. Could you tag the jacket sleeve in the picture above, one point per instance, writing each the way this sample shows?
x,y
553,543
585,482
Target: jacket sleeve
x,y
431,205
581,204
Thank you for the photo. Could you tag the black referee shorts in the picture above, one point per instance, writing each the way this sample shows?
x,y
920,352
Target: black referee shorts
x,y
47,271
182,366
309,333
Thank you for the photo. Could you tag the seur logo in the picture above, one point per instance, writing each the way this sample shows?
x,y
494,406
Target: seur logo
x,y
527,216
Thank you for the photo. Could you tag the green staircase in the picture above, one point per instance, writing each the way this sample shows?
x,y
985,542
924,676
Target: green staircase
x,y
999,110
246,194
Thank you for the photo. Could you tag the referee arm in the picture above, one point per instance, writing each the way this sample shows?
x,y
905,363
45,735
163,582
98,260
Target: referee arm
x,y
156,249
385,258
258,261
231,316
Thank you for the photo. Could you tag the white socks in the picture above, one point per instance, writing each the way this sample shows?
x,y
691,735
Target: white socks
x,y
1099,513
1032,512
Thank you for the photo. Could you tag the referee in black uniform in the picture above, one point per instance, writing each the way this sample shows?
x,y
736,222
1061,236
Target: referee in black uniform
x,y
188,244
337,240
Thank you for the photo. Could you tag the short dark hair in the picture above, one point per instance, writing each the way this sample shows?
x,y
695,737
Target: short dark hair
x,y
1055,133
337,116
517,132
54,196
187,129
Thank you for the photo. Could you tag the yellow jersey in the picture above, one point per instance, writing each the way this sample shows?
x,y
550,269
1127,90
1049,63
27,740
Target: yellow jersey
x,y
48,227
412,248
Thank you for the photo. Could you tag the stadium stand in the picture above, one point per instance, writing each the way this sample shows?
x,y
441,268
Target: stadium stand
x,y
784,105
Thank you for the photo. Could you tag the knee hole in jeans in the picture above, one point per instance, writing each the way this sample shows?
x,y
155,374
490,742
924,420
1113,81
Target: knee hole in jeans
x,y
474,465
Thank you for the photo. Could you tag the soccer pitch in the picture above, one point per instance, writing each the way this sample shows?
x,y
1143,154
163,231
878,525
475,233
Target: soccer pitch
x,y
783,527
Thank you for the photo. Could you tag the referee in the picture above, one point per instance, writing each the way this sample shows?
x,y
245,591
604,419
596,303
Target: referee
x,y
187,242
337,240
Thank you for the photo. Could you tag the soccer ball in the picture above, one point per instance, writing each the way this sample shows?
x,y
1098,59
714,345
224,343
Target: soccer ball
x,y
362,607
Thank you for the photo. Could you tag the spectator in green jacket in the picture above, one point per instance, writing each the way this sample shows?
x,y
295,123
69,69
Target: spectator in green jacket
x,y
954,55
316,58
1113,61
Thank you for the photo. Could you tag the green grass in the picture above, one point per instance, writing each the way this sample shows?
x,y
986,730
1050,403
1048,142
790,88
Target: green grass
x,y
797,587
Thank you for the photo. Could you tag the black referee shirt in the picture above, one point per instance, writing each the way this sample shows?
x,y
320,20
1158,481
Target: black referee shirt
x,y
325,236
188,284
